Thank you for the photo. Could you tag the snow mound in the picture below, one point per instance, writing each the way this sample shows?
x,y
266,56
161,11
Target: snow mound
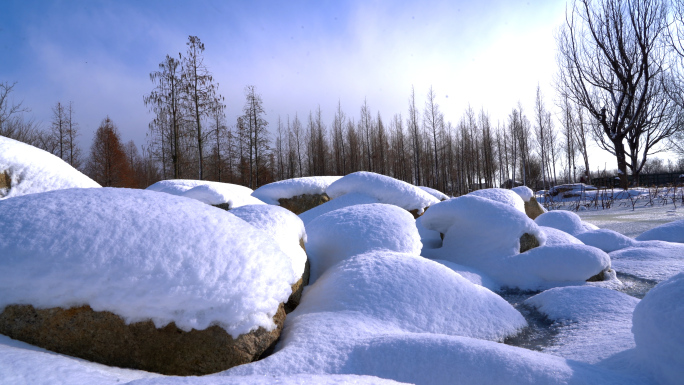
x,y
141,255
289,188
557,237
293,379
429,238
652,260
282,226
383,188
658,329
435,193
335,204
211,193
32,170
353,230
525,192
606,240
508,197
669,232
566,221
392,287
471,274
593,323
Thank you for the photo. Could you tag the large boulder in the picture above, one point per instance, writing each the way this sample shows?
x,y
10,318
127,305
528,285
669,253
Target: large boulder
x,y
298,194
533,209
301,203
104,337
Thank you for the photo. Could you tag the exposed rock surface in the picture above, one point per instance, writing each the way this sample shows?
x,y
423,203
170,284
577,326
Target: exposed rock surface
x,y
298,287
528,242
533,209
104,337
5,182
300,203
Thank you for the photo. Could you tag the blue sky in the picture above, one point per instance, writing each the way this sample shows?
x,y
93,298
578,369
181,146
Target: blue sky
x,y
99,54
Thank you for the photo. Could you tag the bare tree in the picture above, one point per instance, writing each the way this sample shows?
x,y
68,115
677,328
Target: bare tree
x,y
258,134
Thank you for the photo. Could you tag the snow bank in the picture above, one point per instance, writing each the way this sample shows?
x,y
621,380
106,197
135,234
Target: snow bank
x,y
294,379
435,193
32,170
383,188
658,329
593,323
353,230
393,287
652,260
558,237
211,193
525,192
429,238
289,188
566,221
669,232
508,197
141,255
282,226
471,274
606,240
335,204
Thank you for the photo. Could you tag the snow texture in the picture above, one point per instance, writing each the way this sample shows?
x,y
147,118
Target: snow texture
x,y
294,379
281,225
211,193
334,204
141,255
566,221
606,240
471,274
525,192
508,197
343,233
594,323
658,329
652,260
435,193
289,188
669,232
391,287
383,188
32,170
558,237
429,238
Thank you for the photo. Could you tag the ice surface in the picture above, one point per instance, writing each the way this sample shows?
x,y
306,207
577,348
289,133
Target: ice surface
x,y
141,255
383,188
33,170
435,193
337,203
594,323
525,192
281,225
353,230
501,195
606,240
658,330
212,193
669,232
566,221
652,260
289,188
392,287
558,237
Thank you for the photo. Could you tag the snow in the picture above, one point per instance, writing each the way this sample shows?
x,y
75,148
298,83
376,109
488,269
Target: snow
x,y
658,330
353,230
281,225
212,193
670,232
141,255
594,323
558,237
383,188
508,197
471,274
606,240
652,260
429,238
566,221
391,287
435,193
525,192
294,379
289,188
337,203
32,170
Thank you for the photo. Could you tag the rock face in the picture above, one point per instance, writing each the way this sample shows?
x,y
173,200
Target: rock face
x,y
528,242
104,337
5,181
533,209
300,203
298,287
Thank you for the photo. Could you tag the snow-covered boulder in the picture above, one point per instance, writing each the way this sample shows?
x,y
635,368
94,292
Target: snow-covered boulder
x,y
566,221
532,208
414,294
658,332
557,237
435,193
669,232
288,231
343,233
652,260
292,379
174,278
25,169
385,189
501,195
335,204
605,239
224,195
298,194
